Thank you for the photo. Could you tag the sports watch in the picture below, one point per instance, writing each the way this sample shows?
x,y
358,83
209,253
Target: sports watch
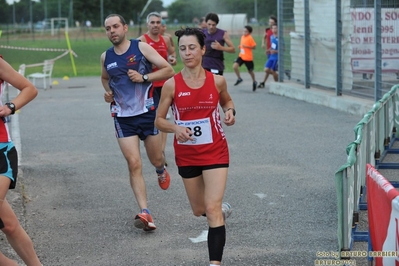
x,y
145,77
234,111
11,106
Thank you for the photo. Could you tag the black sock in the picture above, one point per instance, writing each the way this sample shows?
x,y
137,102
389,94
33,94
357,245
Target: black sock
x,y
216,242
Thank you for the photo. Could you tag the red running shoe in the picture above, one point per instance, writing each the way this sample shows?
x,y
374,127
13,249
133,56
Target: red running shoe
x,y
144,221
164,179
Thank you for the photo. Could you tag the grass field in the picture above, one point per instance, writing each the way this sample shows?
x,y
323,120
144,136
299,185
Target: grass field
x,y
89,45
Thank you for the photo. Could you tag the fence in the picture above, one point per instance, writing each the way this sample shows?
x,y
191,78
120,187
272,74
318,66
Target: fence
x,y
374,138
348,46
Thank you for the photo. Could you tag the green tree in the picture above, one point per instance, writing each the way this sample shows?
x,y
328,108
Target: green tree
x,y
183,10
125,8
155,6
6,12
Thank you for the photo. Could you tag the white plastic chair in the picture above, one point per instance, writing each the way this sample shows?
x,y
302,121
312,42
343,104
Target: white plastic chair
x,y
46,74
21,69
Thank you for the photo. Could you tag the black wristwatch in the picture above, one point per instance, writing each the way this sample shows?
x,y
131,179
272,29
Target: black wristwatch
x,y
11,106
145,77
234,111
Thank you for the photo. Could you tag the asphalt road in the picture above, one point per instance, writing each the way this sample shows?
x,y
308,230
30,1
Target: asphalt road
x,y
79,206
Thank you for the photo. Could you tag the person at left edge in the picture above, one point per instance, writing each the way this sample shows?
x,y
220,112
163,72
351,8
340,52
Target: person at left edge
x,y
126,77
9,224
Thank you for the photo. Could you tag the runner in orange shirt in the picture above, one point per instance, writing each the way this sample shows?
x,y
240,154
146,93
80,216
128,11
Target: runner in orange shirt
x,y
247,44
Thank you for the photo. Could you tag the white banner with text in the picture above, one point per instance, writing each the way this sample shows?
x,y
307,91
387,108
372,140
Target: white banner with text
x,y
363,39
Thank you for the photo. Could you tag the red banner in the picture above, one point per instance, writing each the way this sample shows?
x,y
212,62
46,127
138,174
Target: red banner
x,y
383,215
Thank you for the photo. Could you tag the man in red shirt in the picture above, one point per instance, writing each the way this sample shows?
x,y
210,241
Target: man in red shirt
x,y
161,44
164,46
268,33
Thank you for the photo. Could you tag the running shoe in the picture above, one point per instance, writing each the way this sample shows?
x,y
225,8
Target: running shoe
x,y
238,81
164,179
144,221
226,210
254,86
261,85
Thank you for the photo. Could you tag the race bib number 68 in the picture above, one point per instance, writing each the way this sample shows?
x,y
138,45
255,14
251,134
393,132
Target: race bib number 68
x,y
201,129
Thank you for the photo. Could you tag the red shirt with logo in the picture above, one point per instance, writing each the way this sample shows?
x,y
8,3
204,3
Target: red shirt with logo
x,y
198,109
162,49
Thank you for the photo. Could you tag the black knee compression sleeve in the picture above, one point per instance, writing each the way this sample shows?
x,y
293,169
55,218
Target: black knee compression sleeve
x,y
216,241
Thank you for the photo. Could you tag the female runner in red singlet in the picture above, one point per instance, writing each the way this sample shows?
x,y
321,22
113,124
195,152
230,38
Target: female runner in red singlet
x,y
200,144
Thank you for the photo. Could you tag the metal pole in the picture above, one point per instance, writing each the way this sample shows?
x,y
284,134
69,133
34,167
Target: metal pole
x,y
59,16
13,13
102,11
145,8
338,47
71,13
31,20
307,45
280,47
45,10
142,13
345,209
256,10
59,8
378,52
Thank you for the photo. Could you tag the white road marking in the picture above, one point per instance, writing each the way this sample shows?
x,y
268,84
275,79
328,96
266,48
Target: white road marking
x,y
260,195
